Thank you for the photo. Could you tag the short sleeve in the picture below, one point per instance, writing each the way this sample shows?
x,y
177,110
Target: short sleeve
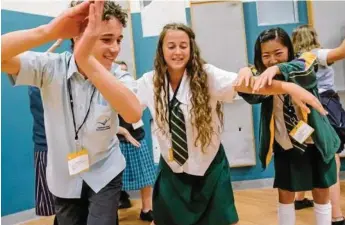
x,y
322,56
221,83
36,69
144,87
126,78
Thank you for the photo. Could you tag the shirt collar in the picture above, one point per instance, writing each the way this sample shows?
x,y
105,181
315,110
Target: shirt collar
x,y
73,68
183,94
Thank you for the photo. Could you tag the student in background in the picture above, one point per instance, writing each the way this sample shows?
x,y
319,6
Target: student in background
x,y
140,172
305,39
300,163
44,200
184,95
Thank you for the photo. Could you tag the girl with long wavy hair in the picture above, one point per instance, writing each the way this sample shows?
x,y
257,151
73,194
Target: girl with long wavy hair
x,y
184,96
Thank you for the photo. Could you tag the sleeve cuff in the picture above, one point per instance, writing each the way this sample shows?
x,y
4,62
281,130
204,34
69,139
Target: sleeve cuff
x,y
322,56
25,75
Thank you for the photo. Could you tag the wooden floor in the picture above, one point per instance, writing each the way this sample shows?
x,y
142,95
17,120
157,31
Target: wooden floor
x,y
255,207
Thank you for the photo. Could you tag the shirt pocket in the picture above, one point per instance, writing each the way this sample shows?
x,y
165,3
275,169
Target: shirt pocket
x,y
103,118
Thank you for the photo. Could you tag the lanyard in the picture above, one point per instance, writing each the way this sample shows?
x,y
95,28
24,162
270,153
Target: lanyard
x,y
170,106
76,131
287,104
291,110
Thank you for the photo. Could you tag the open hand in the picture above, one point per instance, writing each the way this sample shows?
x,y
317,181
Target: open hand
x,y
244,75
265,78
70,23
93,30
131,139
301,97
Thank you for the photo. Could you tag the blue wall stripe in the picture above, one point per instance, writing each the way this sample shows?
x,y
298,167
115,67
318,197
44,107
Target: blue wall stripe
x,y
17,153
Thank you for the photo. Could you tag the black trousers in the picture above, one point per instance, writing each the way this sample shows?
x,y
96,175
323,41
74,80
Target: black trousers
x,y
92,208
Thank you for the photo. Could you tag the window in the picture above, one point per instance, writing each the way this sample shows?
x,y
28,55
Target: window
x,y
277,12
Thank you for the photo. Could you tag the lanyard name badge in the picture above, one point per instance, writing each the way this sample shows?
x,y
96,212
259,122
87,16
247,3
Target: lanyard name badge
x,y
78,161
301,131
170,106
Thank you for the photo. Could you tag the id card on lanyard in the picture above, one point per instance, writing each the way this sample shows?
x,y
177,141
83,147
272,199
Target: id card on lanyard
x,y
78,161
301,131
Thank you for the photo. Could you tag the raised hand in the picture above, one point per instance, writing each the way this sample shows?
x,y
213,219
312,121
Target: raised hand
x,y
70,23
93,30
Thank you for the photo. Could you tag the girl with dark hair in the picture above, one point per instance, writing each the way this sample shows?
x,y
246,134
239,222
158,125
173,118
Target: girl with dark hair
x,y
303,162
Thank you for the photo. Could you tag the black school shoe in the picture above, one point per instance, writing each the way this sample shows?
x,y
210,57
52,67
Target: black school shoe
x,y
148,216
124,203
339,222
302,204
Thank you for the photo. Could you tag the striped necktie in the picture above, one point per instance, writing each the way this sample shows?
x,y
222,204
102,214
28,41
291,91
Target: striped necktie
x,y
291,121
178,133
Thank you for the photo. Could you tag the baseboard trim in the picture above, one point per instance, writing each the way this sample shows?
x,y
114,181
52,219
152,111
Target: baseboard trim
x,y
263,183
20,217
27,215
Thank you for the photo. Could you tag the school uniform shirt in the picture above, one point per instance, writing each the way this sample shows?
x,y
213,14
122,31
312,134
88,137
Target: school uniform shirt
x,y
220,89
50,72
325,73
325,81
302,72
281,134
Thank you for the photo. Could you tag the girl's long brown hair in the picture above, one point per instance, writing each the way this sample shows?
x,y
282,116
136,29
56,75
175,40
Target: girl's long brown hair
x,y
201,111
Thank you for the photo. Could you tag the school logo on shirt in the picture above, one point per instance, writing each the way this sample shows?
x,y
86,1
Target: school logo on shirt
x,y
103,123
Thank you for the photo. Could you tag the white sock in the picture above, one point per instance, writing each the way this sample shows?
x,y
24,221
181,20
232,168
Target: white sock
x,y
286,214
323,213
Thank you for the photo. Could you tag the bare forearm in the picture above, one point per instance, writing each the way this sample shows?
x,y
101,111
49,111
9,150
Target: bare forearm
x,y
17,42
277,87
336,54
116,93
53,48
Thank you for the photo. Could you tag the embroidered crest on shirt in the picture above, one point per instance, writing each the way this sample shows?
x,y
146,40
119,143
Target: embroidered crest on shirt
x,y
103,123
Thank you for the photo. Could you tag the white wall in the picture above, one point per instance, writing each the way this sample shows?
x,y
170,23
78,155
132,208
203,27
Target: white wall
x,y
43,7
329,22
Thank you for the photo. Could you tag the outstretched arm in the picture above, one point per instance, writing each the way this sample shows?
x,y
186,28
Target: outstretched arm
x,y
223,84
67,25
336,54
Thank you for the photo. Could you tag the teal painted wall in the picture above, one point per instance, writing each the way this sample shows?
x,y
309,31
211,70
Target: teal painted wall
x,y
17,154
